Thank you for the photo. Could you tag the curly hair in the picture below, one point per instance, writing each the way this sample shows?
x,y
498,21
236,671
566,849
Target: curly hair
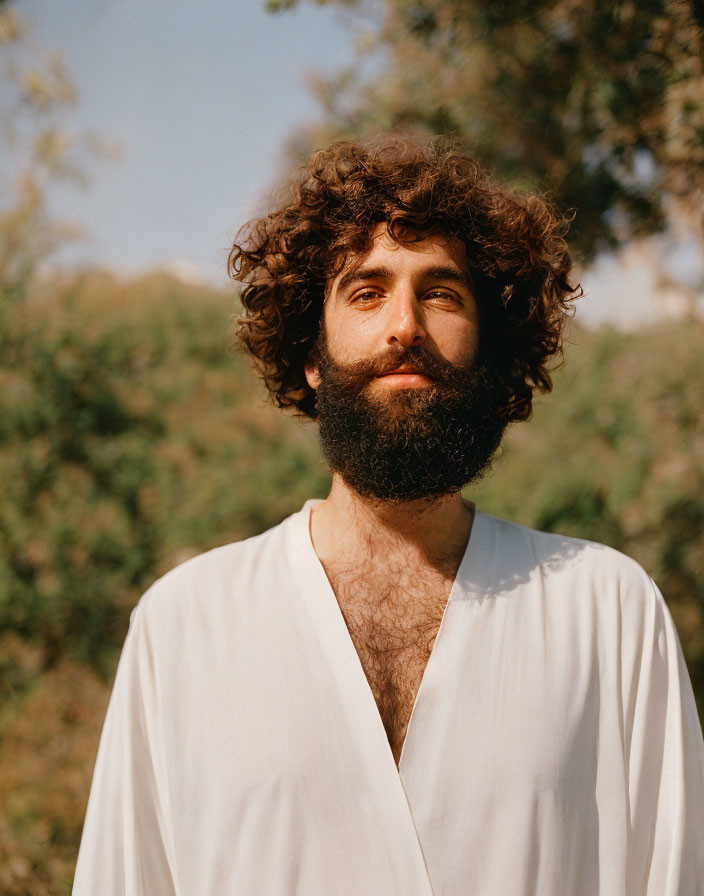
x,y
515,249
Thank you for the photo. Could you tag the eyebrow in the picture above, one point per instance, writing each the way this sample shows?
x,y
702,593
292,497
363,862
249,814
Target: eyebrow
x,y
450,274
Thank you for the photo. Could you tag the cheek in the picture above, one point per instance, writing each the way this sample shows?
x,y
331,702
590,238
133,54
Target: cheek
x,y
350,337
459,344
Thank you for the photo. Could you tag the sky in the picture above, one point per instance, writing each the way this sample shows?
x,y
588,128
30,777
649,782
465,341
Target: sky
x,y
200,96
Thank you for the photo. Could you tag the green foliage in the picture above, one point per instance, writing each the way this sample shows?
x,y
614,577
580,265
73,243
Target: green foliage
x,y
600,103
128,439
46,759
74,456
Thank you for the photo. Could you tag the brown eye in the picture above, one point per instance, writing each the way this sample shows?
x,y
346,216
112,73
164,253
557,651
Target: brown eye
x,y
365,295
444,296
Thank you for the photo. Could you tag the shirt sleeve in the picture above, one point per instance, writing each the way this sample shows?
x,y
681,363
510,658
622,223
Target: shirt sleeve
x,y
665,764
126,845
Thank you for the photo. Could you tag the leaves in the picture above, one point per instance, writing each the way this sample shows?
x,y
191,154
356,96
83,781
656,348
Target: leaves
x,y
600,104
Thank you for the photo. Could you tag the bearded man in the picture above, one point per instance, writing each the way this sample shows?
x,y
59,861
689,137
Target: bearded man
x,y
392,692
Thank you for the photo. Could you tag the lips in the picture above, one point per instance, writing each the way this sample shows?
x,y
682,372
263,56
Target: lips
x,y
406,369
406,376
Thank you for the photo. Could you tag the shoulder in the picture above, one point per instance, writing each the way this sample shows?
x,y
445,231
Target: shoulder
x,y
570,566
219,576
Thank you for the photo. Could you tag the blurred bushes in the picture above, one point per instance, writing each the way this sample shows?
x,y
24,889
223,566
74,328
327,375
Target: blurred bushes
x,y
75,453
131,438
47,753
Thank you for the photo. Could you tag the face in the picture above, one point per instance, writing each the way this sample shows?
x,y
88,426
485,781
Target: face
x,y
407,404
398,296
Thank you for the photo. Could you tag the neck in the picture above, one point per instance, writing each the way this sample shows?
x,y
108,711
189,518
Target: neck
x,y
430,531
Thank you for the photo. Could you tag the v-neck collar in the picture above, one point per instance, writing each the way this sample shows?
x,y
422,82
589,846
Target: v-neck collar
x,y
470,580
345,665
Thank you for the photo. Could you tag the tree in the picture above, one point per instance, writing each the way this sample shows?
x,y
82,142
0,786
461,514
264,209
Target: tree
x,y
38,149
599,103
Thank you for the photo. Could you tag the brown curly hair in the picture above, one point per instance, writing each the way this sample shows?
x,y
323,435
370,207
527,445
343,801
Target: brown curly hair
x,y
515,249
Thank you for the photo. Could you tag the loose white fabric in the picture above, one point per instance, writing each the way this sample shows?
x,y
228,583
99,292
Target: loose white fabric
x,y
554,746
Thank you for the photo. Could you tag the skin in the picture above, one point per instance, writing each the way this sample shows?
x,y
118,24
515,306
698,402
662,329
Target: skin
x,y
407,294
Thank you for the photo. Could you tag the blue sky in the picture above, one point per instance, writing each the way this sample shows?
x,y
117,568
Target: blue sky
x,y
200,95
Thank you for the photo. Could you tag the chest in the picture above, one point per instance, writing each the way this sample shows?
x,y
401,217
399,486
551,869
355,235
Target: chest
x,y
393,626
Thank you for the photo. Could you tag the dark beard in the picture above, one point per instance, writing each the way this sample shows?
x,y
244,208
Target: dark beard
x,y
408,444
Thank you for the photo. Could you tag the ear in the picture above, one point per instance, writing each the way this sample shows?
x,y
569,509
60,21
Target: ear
x,y
312,375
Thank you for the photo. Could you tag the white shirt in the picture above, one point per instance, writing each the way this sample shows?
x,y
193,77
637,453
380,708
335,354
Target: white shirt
x,y
554,747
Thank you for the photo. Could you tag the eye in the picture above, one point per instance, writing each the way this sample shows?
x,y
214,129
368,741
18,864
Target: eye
x,y
443,297
365,296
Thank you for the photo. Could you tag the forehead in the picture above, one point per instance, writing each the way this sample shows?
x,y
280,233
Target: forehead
x,y
432,250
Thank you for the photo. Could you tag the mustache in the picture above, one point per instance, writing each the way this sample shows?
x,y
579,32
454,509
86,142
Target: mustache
x,y
420,357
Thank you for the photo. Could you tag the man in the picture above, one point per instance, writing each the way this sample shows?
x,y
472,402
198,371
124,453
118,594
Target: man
x,y
392,692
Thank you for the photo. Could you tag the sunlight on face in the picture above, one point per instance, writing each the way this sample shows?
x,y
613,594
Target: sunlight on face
x,y
401,295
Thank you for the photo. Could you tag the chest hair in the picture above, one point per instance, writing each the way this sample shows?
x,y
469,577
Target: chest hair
x,y
393,615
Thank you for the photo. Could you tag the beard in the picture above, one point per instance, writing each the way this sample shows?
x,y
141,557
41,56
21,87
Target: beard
x,y
409,444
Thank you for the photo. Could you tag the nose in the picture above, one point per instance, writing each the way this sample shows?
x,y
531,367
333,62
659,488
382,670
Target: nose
x,y
405,320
